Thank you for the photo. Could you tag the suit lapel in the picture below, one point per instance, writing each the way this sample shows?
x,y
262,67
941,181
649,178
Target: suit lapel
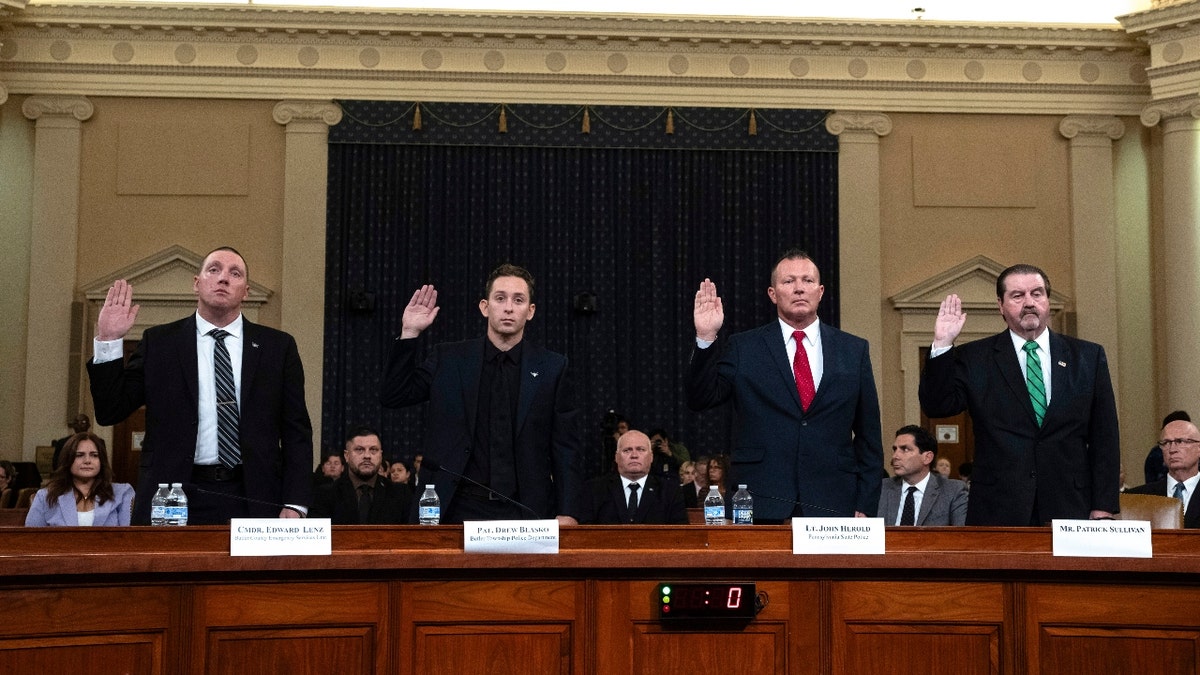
x,y
531,378
251,357
470,368
1010,368
185,346
932,489
773,342
829,355
649,494
1060,381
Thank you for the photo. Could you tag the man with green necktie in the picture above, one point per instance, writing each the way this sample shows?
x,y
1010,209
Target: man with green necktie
x,y
1042,405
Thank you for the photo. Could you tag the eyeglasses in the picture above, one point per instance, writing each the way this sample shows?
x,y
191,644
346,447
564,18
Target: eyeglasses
x,y
1166,443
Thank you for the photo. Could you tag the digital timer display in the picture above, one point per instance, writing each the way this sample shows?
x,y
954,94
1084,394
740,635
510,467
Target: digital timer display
x,y
706,600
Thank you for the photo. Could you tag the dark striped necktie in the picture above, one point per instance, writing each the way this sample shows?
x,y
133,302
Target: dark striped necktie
x,y
228,450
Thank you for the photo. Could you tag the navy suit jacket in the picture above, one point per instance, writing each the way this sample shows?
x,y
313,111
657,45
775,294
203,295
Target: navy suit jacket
x,y
1070,464
1191,516
660,502
548,445
275,433
338,501
828,459
944,502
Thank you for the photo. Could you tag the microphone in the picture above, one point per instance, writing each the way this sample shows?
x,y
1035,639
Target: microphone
x,y
802,505
433,465
248,500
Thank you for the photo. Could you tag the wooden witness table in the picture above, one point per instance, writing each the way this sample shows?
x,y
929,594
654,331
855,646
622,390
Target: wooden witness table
x,y
407,600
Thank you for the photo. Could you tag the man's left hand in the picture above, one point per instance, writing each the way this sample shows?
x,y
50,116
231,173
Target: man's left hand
x,y
566,520
289,513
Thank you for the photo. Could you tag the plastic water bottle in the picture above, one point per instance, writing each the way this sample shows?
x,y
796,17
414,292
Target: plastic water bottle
x,y
743,507
714,507
158,506
177,506
430,507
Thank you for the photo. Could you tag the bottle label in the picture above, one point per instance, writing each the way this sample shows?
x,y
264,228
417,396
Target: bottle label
x,y
743,516
158,512
714,512
430,513
176,512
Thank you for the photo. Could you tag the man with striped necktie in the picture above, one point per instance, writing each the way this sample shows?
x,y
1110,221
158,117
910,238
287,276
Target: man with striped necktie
x,y
1042,405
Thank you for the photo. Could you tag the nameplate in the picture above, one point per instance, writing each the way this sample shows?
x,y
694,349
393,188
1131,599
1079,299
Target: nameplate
x,y
280,536
1102,538
510,536
857,536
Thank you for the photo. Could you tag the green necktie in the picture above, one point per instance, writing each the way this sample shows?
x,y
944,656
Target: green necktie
x,y
1034,381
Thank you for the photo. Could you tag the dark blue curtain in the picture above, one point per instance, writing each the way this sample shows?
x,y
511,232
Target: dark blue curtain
x,y
639,227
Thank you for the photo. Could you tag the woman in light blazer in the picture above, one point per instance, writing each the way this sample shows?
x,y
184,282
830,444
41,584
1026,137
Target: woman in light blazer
x,y
81,491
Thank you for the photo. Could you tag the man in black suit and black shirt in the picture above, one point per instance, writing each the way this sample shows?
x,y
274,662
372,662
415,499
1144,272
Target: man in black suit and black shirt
x,y
361,496
633,495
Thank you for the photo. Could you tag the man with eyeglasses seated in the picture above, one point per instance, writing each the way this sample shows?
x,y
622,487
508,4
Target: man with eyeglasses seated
x,y
1180,443
361,496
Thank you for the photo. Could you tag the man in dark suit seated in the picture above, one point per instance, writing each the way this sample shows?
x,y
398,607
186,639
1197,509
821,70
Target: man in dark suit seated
x,y
916,495
633,495
361,496
1180,443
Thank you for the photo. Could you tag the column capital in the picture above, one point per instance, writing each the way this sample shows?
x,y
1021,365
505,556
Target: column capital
x,y
79,107
838,122
1092,125
1164,110
286,112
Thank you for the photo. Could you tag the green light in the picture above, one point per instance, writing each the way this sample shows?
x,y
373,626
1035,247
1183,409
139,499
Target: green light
x,y
666,590
666,599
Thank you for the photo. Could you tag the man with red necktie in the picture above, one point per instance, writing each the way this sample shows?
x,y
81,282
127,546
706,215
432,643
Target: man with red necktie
x,y
808,438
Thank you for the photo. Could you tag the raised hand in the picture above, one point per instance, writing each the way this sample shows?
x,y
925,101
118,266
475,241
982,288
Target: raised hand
x,y
950,320
708,312
118,314
422,309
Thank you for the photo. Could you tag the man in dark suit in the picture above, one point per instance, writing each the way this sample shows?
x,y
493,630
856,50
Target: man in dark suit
x,y
915,495
807,435
500,409
360,496
1042,405
1180,443
614,499
225,412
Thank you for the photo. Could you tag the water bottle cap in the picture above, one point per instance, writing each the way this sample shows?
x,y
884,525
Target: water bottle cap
x,y
742,487
176,485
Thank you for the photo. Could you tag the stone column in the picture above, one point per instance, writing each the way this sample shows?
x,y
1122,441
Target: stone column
x,y
1180,119
305,183
1094,227
54,234
859,237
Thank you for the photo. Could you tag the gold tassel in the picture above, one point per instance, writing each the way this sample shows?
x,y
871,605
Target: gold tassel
x,y
753,123
587,122
417,118
670,121
503,120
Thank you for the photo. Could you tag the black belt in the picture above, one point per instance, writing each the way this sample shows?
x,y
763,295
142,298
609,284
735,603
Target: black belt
x,y
476,492
216,473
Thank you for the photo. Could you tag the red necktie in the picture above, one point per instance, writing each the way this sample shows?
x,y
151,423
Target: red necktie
x,y
804,378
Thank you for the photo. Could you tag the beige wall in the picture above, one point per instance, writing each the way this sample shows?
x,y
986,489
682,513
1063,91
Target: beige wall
x,y
16,188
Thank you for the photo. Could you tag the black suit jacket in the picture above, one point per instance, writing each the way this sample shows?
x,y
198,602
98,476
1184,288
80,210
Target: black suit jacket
x,y
660,502
274,427
548,445
1070,464
338,501
1191,516
829,458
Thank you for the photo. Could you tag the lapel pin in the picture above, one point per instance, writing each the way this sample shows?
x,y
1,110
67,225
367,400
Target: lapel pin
x,y
533,373
1062,364
254,344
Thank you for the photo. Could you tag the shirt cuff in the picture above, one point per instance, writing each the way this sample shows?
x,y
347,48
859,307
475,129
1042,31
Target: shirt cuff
x,y
107,350
302,510
935,352
704,344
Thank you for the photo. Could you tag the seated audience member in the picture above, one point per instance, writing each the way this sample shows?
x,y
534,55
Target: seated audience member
x,y
385,467
399,473
633,494
663,463
80,424
329,470
81,491
8,474
678,450
700,479
418,479
718,469
1180,443
1154,467
362,496
687,477
916,495
943,467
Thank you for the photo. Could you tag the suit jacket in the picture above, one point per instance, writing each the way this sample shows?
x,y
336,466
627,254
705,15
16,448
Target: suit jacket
x,y
275,433
111,513
1191,516
548,444
691,500
338,501
829,460
944,502
1068,466
660,502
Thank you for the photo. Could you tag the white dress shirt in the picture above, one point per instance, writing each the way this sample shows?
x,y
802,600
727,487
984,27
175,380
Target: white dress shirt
x,y
918,497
